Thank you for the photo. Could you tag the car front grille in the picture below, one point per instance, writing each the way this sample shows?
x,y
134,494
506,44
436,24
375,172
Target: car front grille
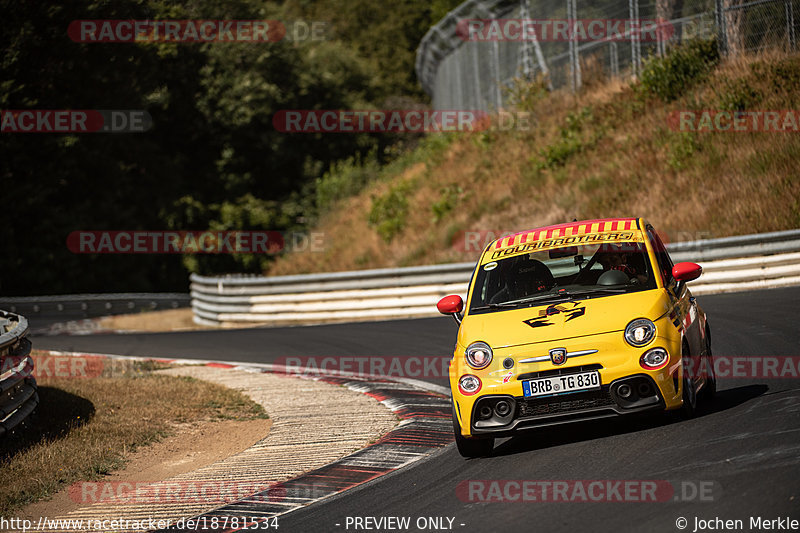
x,y
563,404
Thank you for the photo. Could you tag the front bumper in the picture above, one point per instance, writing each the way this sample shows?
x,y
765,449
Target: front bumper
x,y
530,413
616,364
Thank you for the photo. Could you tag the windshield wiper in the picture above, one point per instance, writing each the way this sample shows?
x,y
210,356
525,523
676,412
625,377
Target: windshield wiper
x,y
561,295
490,306
516,303
607,290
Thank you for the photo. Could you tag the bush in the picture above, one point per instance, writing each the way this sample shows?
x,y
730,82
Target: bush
x,y
344,179
388,213
569,143
738,95
681,149
785,75
447,202
668,77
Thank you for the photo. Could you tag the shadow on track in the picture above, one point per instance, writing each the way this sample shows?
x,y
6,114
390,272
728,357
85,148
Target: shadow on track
x,y
539,439
58,413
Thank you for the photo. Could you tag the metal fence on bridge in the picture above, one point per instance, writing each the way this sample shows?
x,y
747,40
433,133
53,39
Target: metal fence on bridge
x,y
464,69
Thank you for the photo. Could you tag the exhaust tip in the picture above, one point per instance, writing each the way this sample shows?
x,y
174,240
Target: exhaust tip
x,y
502,408
624,391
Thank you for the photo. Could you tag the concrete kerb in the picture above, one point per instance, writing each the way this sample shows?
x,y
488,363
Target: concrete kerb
x,y
423,409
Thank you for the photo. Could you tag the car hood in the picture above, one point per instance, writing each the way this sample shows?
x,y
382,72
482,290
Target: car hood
x,y
555,321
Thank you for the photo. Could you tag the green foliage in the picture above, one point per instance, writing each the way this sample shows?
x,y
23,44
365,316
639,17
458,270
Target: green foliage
x,y
348,177
738,95
785,76
525,95
570,142
213,159
448,200
682,147
429,150
668,77
388,213
385,34
344,179
557,154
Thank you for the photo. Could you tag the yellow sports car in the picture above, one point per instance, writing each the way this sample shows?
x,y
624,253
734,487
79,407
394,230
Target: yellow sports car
x,y
572,322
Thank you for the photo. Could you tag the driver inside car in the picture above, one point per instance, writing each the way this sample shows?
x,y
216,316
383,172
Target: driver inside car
x,y
614,258
524,278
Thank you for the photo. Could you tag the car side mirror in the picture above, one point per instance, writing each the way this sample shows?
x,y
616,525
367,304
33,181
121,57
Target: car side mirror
x,y
686,271
451,305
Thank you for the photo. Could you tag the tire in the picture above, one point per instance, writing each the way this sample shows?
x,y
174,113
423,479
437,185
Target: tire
x,y
688,395
710,388
471,447
689,399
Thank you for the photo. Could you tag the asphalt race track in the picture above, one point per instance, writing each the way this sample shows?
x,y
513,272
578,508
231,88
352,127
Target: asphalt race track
x,y
739,458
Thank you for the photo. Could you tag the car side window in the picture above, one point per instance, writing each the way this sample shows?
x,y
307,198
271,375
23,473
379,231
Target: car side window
x,y
662,257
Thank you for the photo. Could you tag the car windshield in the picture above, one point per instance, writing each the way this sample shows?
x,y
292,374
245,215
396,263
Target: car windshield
x,y
542,277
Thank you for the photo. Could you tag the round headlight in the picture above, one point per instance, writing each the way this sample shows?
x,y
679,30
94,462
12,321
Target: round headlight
x,y
654,359
469,384
640,332
479,355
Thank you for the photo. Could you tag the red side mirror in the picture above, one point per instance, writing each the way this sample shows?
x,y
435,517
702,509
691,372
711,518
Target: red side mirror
x,y
686,271
450,305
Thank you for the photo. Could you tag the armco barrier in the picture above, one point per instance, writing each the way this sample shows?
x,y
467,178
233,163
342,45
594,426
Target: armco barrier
x,y
77,306
729,264
18,393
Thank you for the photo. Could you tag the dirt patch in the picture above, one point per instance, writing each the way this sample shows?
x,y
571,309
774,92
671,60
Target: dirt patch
x,y
168,320
192,447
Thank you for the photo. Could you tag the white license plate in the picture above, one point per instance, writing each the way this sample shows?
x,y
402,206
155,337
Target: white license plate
x,y
560,384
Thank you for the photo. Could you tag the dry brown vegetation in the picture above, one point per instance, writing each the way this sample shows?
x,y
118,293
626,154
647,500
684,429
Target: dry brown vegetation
x,y
607,152
85,428
168,320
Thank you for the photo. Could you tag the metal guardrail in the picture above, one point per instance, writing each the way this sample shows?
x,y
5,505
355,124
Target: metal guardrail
x,y
71,306
18,392
772,243
729,264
